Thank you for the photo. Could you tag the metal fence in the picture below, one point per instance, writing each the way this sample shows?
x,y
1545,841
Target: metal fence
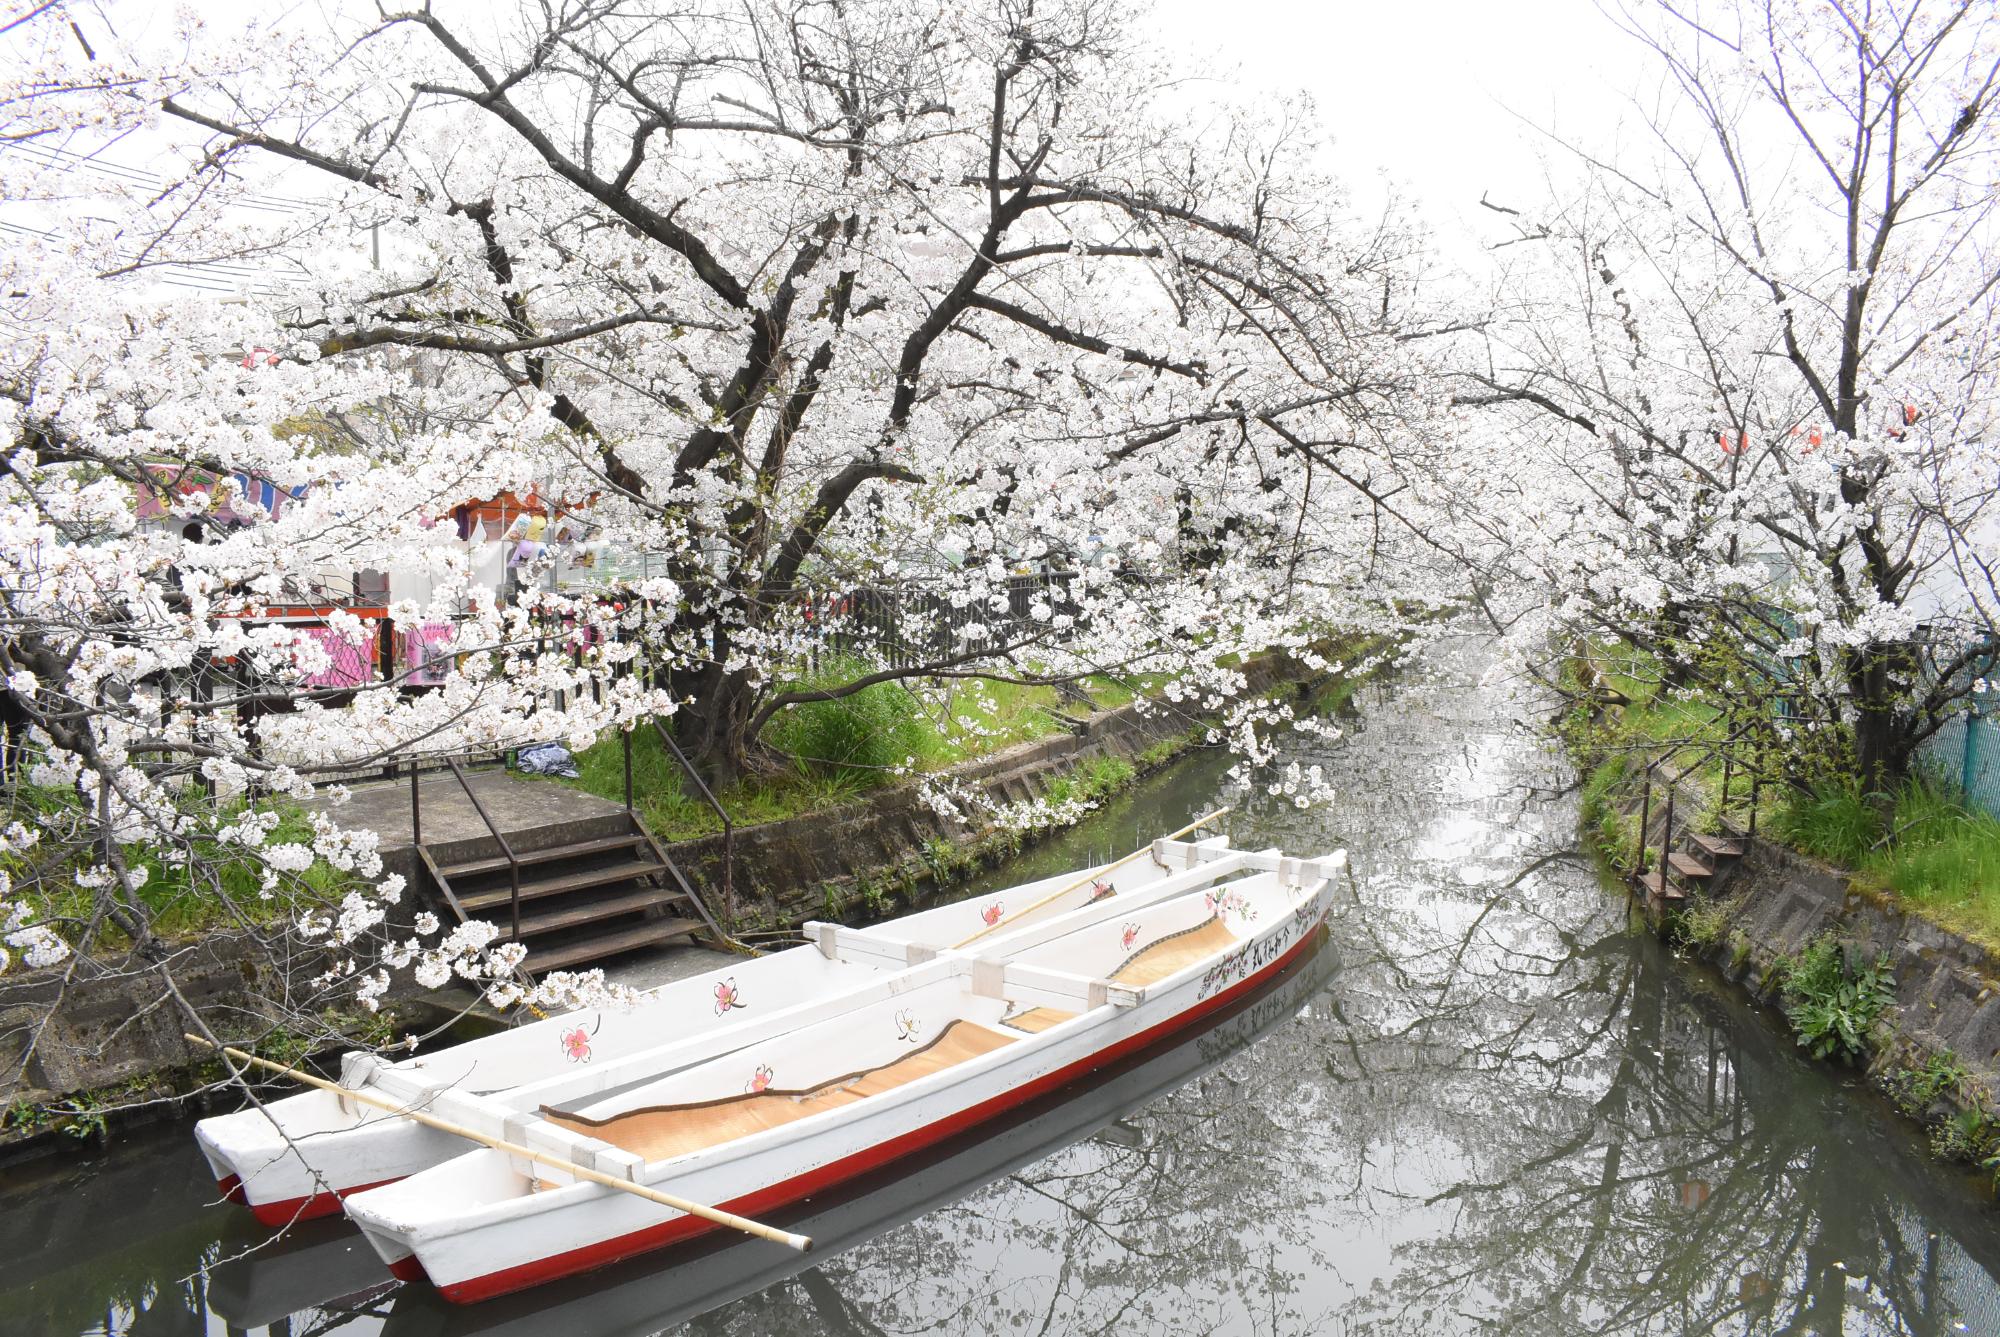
x,y
1965,753
918,622
900,626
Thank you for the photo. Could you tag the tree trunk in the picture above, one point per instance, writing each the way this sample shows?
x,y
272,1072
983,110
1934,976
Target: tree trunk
x,y
713,725
1881,734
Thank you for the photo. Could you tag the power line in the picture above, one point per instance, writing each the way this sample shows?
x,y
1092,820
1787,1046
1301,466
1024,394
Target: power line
x,y
195,275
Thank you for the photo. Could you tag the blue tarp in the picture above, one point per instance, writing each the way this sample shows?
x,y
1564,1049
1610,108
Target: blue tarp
x,y
547,759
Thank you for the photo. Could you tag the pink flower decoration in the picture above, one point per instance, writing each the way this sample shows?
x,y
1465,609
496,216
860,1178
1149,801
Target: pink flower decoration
x,y
576,1044
991,914
726,997
762,1079
1129,936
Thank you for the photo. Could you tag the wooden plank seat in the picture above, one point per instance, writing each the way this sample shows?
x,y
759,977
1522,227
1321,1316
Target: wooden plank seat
x,y
1037,1019
659,1132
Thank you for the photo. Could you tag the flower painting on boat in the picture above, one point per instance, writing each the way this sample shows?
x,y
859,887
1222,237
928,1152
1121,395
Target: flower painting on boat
x,y
991,914
727,998
1128,935
908,1025
1230,902
1101,888
760,1080
576,1044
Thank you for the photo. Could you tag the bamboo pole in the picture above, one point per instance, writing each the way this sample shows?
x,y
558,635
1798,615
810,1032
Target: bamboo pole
x,y
803,1243
1091,877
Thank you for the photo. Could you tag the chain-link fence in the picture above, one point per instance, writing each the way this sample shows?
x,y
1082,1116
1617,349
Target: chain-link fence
x,y
1966,752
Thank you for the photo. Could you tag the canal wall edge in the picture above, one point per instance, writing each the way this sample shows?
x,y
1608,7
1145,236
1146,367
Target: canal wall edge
x,y
888,852
1762,910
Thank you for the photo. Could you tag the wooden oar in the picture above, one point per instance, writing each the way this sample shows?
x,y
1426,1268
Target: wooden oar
x,y
803,1243
1090,877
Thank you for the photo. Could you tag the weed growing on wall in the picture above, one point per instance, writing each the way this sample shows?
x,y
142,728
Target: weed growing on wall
x,y
1701,924
1831,1002
1917,1089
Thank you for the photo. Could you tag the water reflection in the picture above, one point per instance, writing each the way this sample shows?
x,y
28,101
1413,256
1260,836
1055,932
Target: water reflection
x,y
1506,1113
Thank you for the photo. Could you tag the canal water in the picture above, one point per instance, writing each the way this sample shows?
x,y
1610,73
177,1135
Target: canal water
x,y
1485,1105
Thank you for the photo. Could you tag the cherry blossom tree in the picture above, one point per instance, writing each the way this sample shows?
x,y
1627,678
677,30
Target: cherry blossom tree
x,y
1755,379
820,297
945,336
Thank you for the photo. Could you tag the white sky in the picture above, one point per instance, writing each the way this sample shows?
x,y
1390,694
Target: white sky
x,y
1429,92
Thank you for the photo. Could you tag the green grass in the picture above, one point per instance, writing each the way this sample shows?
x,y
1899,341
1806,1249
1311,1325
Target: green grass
x,y
180,898
1654,717
657,788
1677,729
841,749
1939,857
1617,832
1943,859
853,741
1092,780
1833,821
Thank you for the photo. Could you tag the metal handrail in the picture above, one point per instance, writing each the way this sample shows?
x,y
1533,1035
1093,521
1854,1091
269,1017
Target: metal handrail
x,y
513,863
715,806
1703,753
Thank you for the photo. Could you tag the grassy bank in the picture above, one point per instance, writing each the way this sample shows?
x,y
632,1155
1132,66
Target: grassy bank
x,y
833,752
180,895
1920,845
1937,857
1919,851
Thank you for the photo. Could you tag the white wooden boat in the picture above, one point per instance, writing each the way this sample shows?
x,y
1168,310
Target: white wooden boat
x,y
864,1079
640,1297
294,1159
